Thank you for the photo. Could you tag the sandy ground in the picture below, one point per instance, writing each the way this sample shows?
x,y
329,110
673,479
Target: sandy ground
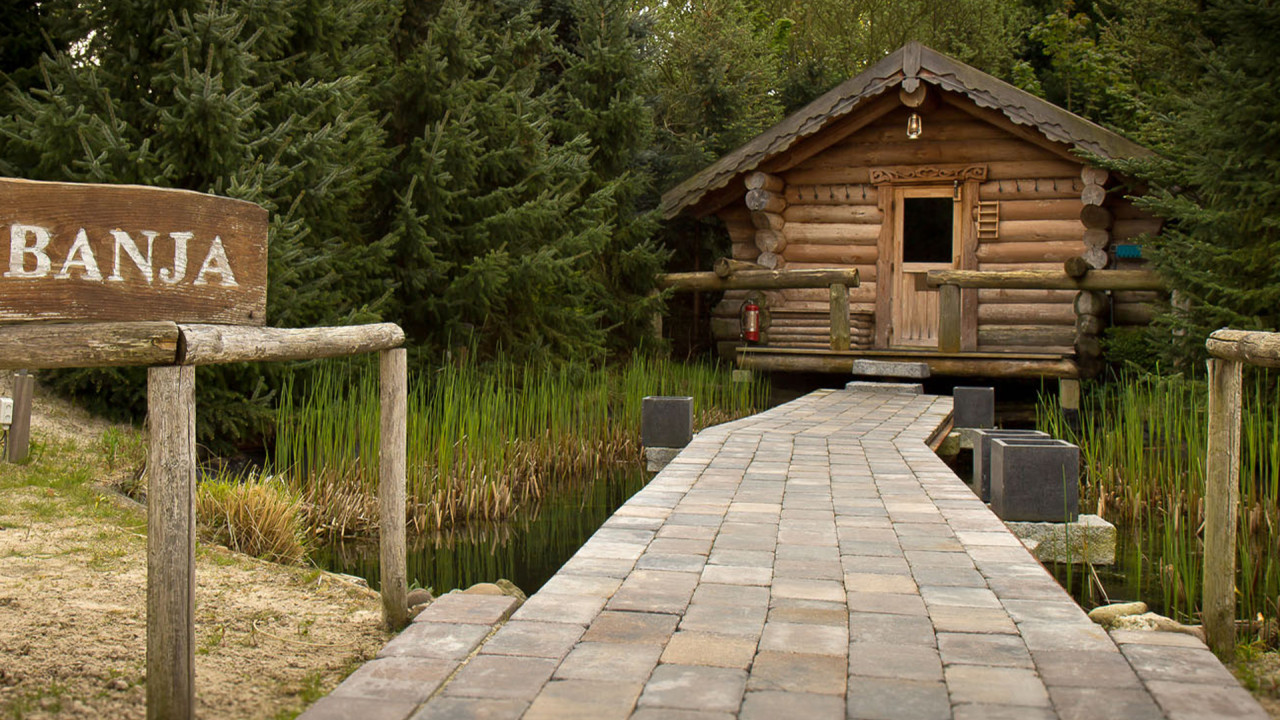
x,y
269,639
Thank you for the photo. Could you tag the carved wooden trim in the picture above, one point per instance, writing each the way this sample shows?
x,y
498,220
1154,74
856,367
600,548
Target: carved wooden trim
x,y
909,174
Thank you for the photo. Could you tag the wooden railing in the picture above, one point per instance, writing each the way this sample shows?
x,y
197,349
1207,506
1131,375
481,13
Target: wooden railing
x,y
730,276
1229,351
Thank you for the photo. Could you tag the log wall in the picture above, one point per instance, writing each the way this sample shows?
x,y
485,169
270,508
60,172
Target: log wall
x,y
1039,209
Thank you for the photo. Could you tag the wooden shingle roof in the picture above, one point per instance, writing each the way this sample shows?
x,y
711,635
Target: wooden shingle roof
x,y
908,66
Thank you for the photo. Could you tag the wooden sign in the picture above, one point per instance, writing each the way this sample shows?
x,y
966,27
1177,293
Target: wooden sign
x,y
90,253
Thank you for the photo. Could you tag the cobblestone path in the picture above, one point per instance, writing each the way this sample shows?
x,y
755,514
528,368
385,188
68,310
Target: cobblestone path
x,y
814,561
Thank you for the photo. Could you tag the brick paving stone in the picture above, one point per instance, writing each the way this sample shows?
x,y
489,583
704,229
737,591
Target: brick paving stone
x,y
798,672
1194,700
806,570
716,594
995,686
774,705
808,589
1177,664
396,679
875,564
436,640
931,542
609,661
1076,703
1045,610
737,575
886,628
596,566
469,609
984,649
333,707
695,687
1169,639
935,595
562,608
679,562
880,583
1085,668
892,660
725,620
808,553
808,612
457,708
499,676
674,714
951,618
686,532
742,558
710,649
948,577
934,558
631,627
533,639
807,638
892,603
584,700
891,699
598,586
1003,712
654,591
680,546
1064,636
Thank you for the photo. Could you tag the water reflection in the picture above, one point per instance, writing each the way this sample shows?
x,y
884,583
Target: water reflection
x,y
526,550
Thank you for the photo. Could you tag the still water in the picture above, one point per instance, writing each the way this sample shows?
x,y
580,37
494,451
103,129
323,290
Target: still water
x,y
527,550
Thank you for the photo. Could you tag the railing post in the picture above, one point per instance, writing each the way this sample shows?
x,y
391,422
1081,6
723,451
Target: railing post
x,y
949,318
1222,492
391,487
839,317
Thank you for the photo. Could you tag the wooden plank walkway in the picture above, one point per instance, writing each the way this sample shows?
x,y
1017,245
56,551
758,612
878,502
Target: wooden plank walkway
x,y
816,561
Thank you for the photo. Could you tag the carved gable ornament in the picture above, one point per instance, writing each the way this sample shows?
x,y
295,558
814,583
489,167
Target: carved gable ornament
x,y
921,174
98,253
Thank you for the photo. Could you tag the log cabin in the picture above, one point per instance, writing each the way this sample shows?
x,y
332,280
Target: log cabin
x,y
924,163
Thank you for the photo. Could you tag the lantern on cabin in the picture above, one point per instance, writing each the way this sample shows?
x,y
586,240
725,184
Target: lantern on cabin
x,y
749,319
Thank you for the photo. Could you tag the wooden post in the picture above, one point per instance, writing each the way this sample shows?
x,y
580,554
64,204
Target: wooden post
x,y
1222,493
391,488
839,317
949,318
171,542
18,445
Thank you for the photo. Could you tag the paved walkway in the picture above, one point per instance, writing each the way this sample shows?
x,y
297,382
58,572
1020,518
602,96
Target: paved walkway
x,y
814,561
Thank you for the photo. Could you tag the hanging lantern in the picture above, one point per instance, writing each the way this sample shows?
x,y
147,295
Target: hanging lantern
x,y
914,126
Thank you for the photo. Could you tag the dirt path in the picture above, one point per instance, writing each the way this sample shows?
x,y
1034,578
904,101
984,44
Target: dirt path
x,y
269,639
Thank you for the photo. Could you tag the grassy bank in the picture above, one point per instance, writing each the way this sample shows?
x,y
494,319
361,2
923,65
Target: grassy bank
x,y
482,441
1143,444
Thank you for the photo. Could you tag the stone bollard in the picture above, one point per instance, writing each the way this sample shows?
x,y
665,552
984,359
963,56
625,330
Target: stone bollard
x,y
975,407
980,439
666,425
1035,479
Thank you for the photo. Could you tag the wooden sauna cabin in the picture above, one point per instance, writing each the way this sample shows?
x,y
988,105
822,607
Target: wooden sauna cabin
x,y
923,163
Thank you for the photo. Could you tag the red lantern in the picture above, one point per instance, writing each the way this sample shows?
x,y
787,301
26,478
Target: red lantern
x,y
750,321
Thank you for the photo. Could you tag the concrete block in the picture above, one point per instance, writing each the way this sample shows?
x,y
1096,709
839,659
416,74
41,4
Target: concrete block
x,y
666,421
1036,480
1089,539
975,407
656,458
980,441
891,368
869,386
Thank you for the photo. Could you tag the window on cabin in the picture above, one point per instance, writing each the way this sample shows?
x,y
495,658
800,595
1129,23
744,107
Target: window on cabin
x,y
927,229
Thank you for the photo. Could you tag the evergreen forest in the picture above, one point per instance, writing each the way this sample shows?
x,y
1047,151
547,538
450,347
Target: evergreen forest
x,y
485,173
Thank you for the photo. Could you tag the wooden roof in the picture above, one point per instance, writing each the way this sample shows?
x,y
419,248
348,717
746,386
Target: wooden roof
x,y
908,66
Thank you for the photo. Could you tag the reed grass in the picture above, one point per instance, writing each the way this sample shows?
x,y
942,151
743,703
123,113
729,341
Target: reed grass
x,y
1143,444
482,440
254,515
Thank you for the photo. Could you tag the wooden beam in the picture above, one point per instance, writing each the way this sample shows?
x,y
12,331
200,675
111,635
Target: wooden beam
x,y
1255,348
758,280
725,267
860,116
210,344
1048,279
106,344
393,396
171,542
1222,494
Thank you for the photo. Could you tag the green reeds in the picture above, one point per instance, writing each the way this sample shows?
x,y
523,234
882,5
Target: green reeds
x,y
482,440
1143,440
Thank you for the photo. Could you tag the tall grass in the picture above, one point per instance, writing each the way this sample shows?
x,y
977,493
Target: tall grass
x,y
1143,441
482,440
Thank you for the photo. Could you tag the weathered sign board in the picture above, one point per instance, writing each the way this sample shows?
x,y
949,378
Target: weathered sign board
x,y
97,253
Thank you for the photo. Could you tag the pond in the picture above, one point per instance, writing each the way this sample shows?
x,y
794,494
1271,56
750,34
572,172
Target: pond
x,y
527,550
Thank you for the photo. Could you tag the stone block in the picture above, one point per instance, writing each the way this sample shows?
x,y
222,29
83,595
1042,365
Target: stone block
x,y
666,421
656,458
891,368
974,407
1089,539
980,441
1036,480
870,386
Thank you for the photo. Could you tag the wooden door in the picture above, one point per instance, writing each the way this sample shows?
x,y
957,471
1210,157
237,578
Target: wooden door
x,y
924,239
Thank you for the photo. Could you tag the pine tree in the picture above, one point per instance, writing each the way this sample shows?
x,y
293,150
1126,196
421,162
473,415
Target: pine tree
x,y
1216,181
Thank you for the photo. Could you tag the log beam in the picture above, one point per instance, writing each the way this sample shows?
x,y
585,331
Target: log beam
x,y
758,280
210,344
1048,279
1255,348
107,344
